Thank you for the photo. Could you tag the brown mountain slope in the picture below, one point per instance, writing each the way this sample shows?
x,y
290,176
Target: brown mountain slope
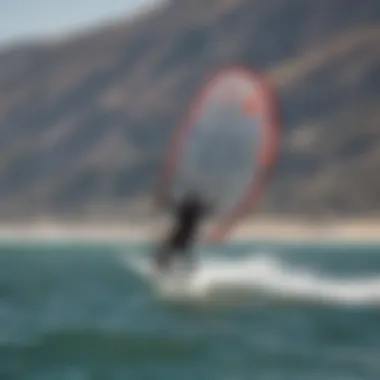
x,y
84,122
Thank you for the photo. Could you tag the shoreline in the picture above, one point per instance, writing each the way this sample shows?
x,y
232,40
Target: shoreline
x,y
271,229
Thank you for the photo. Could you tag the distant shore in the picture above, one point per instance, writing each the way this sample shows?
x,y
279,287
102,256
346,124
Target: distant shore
x,y
271,229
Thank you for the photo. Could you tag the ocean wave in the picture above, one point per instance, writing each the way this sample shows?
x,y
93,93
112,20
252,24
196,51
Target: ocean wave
x,y
266,277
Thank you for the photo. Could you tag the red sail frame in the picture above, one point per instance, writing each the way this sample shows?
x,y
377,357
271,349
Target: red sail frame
x,y
262,102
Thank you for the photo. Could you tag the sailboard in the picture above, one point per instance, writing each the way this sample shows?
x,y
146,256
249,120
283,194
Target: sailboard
x,y
226,147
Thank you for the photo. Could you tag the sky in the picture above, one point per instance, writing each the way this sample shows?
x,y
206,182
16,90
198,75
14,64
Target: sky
x,y
29,19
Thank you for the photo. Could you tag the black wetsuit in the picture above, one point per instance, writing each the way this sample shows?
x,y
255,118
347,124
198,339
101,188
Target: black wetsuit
x,y
188,215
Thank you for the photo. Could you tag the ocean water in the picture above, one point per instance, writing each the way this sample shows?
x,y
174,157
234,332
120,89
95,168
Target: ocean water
x,y
252,311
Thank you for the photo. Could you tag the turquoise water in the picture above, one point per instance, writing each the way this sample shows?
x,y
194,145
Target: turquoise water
x,y
253,311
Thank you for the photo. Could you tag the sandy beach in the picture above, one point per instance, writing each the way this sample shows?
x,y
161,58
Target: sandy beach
x,y
291,230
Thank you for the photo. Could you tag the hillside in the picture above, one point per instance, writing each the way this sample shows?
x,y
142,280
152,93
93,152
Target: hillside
x,y
84,121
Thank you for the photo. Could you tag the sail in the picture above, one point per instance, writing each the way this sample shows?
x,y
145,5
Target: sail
x,y
226,146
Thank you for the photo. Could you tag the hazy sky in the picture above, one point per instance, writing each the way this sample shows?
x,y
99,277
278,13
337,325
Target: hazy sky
x,y
24,19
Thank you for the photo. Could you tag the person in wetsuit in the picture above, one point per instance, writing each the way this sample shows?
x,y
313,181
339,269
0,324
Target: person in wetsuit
x,y
189,212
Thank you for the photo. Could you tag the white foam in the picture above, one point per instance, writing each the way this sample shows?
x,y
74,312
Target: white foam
x,y
269,278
